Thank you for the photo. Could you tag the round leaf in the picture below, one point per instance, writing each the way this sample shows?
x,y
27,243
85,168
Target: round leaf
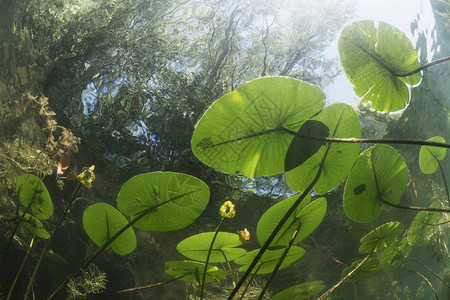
x,y
300,291
193,271
379,172
101,221
310,215
32,191
197,247
334,160
241,132
381,237
392,256
35,226
168,200
370,267
269,260
373,54
422,224
429,157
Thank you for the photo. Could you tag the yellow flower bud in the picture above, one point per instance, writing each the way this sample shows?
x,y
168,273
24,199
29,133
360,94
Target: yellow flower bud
x,y
227,210
87,176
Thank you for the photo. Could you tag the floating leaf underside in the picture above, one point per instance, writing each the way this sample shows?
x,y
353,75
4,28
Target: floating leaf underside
x,y
370,267
333,159
32,190
422,224
101,221
269,260
35,226
381,237
379,171
429,156
300,291
193,271
224,249
372,55
238,133
170,200
393,255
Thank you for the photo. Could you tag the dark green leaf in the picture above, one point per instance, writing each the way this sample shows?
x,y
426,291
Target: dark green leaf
x,y
300,291
193,271
370,267
381,237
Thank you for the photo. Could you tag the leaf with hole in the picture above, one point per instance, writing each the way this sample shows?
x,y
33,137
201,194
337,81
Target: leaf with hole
x,y
165,200
32,192
241,133
101,221
332,160
224,249
269,260
192,271
429,156
379,173
381,237
373,55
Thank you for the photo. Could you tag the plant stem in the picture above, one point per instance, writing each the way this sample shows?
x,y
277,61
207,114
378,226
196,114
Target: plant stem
x,y
94,255
443,210
20,269
47,245
208,256
249,282
280,261
426,280
425,266
141,287
423,67
327,293
445,181
273,234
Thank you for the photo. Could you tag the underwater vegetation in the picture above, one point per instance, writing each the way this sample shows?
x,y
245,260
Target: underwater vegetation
x,y
266,127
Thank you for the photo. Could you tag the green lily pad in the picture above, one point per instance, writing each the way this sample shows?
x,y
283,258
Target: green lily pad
x,y
192,271
197,246
379,173
241,133
369,268
429,156
300,291
310,215
269,260
101,221
381,237
32,191
373,55
333,160
168,200
422,224
392,255
35,226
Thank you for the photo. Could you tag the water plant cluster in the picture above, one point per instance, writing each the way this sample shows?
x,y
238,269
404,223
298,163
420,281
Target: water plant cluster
x,y
266,127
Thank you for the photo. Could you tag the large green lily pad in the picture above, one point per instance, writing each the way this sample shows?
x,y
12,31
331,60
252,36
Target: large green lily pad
x,y
429,156
240,133
422,224
168,200
373,55
379,173
192,271
101,221
197,247
32,192
381,237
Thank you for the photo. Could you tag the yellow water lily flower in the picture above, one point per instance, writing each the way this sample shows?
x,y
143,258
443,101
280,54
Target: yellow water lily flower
x,y
227,210
87,176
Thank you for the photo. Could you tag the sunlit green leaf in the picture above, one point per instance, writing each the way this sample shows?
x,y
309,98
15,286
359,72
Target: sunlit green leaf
x,y
192,271
197,247
169,200
393,254
379,173
241,132
370,267
101,221
422,224
373,54
429,156
381,237
333,160
32,190
300,291
35,226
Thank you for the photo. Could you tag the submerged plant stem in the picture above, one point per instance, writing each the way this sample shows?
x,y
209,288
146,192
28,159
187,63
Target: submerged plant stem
x,y
426,280
426,267
20,270
443,210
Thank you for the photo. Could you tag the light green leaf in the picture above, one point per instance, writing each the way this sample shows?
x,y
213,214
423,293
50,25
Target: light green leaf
x,y
392,256
373,54
422,224
381,237
192,271
35,226
32,190
379,172
429,156
169,200
197,247
241,132
370,267
334,160
101,221
269,260
300,291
